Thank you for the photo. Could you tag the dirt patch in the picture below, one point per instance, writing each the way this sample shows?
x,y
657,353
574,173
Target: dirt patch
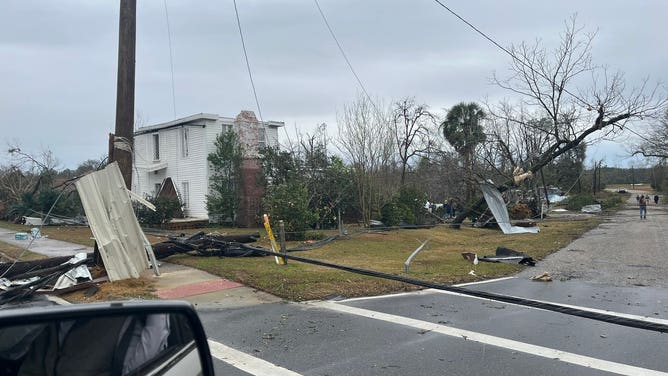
x,y
128,289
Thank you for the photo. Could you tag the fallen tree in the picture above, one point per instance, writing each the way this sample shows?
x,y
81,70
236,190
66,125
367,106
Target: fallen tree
x,y
548,83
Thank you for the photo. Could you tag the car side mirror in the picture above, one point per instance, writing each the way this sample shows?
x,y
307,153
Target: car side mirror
x,y
119,338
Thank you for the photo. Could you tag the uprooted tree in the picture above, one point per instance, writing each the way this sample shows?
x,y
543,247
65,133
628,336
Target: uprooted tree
x,y
550,83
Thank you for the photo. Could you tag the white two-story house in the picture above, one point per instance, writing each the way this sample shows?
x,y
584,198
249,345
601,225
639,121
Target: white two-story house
x,y
176,153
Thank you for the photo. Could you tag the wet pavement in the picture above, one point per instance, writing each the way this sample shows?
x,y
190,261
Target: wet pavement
x,y
436,333
43,245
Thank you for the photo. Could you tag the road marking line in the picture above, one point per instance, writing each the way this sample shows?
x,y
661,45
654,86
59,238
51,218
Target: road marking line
x,y
593,310
545,352
485,281
420,292
245,362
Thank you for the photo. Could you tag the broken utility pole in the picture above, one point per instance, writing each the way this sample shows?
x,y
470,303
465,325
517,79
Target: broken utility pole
x,y
125,91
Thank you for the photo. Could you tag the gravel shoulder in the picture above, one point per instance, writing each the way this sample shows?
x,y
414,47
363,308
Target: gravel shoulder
x,y
622,251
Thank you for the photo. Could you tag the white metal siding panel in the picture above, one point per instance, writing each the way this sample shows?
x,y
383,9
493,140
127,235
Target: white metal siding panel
x,y
113,223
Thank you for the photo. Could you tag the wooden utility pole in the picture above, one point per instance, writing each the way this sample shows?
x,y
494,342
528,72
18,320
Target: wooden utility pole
x,y
125,90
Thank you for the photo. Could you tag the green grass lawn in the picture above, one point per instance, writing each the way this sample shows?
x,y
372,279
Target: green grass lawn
x,y
440,261
10,252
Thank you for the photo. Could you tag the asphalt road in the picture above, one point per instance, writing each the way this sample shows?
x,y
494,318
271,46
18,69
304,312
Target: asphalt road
x,y
616,268
624,251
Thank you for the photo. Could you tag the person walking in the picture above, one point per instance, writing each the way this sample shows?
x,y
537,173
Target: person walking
x,y
642,203
656,199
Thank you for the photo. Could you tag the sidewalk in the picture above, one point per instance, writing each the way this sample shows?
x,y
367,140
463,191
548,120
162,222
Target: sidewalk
x,y
178,282
204,290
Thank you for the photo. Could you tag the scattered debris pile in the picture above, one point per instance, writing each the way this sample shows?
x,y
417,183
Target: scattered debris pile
x,y
56,275
120,243
505,255
52,220
202,244
510,256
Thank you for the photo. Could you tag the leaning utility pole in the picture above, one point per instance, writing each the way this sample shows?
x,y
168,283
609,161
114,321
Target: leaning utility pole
x,y
123,139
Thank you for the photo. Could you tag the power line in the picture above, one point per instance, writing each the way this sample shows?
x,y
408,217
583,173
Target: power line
x,y
171,59
510,53
250,74
345,57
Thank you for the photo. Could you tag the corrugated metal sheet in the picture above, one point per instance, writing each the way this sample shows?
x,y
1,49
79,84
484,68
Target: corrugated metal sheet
x,y
113,223
500,211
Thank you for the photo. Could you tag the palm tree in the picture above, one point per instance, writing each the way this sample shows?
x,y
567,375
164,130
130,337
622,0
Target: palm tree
x,y
462,129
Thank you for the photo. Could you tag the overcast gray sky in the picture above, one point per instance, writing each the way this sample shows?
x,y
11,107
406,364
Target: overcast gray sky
x,y
58,59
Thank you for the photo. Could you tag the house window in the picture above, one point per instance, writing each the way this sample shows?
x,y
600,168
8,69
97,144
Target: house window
x,y
185,194
157,189
156,147
184,142
262,138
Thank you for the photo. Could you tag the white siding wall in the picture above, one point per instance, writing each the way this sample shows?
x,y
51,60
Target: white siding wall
x,y
143,182
272,136
193,169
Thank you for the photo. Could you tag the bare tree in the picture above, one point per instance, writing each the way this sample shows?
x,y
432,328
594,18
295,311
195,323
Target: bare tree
x,y
14,183
551,84
366,142
412,123
654,144
45,161
26,174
